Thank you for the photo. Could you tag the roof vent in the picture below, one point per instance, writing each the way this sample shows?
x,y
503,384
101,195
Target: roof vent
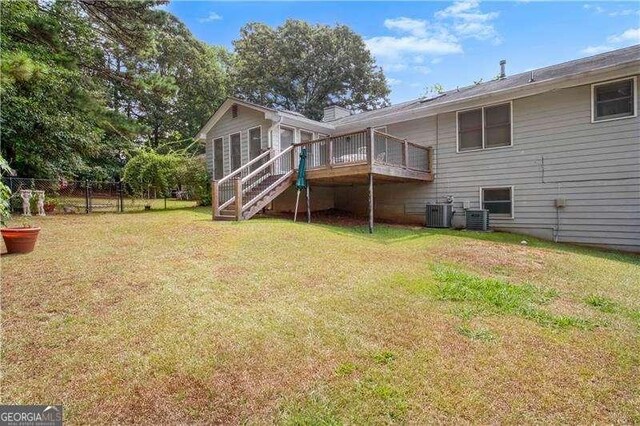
x,y
503,73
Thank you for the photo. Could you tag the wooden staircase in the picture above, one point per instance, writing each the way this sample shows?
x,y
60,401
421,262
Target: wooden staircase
x,y
249,189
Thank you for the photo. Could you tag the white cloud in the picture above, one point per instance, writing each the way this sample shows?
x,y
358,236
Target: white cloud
x,y
211,17
422,69
615,41
632,34
469,21
393,81
388,46
416,42
613,13
595,8
594,50
415,27
625,12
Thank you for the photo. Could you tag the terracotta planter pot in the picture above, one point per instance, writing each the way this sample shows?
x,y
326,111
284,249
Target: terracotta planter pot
x,y
20,240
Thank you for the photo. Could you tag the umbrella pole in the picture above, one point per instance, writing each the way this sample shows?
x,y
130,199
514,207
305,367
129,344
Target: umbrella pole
x,y
308,206
295,213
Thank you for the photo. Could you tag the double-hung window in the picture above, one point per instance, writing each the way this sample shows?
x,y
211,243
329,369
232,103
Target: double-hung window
x,y
486,127
613,100
499,201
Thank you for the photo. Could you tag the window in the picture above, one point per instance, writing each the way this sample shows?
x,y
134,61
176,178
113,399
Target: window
x,y
613,100
218,171
286,138
499,201
305,136
255,142
234,111
470,130
487,127
236,159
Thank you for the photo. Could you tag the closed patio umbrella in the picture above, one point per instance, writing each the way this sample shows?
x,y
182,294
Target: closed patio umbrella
x,y
301,183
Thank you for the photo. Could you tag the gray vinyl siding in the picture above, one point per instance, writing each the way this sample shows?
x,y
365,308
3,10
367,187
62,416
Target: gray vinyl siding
x,y
556,152
247,118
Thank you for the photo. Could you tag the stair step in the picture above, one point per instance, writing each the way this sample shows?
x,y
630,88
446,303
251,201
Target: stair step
x,y
225,217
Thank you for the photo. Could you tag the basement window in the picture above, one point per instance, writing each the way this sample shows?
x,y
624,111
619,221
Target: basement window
x,y
484,128
499,201
613,100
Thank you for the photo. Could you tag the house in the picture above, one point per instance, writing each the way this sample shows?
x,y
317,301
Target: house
x,y
553,152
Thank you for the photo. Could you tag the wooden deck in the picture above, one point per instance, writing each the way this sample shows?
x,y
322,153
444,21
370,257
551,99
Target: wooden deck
x,y
351,158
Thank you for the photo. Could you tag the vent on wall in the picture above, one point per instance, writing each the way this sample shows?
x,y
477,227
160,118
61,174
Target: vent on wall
x,y
234,111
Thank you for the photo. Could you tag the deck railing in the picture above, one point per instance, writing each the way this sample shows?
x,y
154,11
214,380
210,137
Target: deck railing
x,y
365,146
224,189
245,186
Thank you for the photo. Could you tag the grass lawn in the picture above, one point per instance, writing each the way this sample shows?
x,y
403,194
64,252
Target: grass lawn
x,y
168,317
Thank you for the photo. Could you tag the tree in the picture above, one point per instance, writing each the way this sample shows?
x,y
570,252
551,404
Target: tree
x,y
84,82
149,170
303,68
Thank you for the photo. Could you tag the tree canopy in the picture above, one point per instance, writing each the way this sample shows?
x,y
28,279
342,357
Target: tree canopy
x,y
303,68
83,82
87,84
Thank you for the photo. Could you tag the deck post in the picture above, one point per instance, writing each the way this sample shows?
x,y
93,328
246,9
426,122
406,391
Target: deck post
x,y
371,203
214,199
238,191
308,205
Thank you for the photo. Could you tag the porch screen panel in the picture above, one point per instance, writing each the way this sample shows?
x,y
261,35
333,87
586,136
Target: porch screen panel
x,y
218,171
236,159
255,146
286,138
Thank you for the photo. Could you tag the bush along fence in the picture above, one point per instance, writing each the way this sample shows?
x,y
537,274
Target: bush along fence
x,y
76,197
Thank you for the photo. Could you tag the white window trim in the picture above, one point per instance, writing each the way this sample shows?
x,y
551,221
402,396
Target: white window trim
x,y
483,138
602,83
513,201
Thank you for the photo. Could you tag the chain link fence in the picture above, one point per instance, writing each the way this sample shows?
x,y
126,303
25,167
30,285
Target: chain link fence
x,y
74,197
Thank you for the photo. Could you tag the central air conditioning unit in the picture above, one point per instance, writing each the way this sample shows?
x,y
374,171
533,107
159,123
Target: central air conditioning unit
x,y
439,215
477,219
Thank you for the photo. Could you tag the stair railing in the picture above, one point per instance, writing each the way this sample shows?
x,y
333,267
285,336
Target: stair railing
x,y
223,190
282,166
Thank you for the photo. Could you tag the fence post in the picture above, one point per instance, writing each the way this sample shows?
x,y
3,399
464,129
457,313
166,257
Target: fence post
x,y
121,196
86,195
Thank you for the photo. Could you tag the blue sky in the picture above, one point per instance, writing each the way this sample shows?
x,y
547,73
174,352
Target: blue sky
x,y
454,44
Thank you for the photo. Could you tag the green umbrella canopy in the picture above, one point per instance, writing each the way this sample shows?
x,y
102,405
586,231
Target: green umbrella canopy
x,y
301,182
